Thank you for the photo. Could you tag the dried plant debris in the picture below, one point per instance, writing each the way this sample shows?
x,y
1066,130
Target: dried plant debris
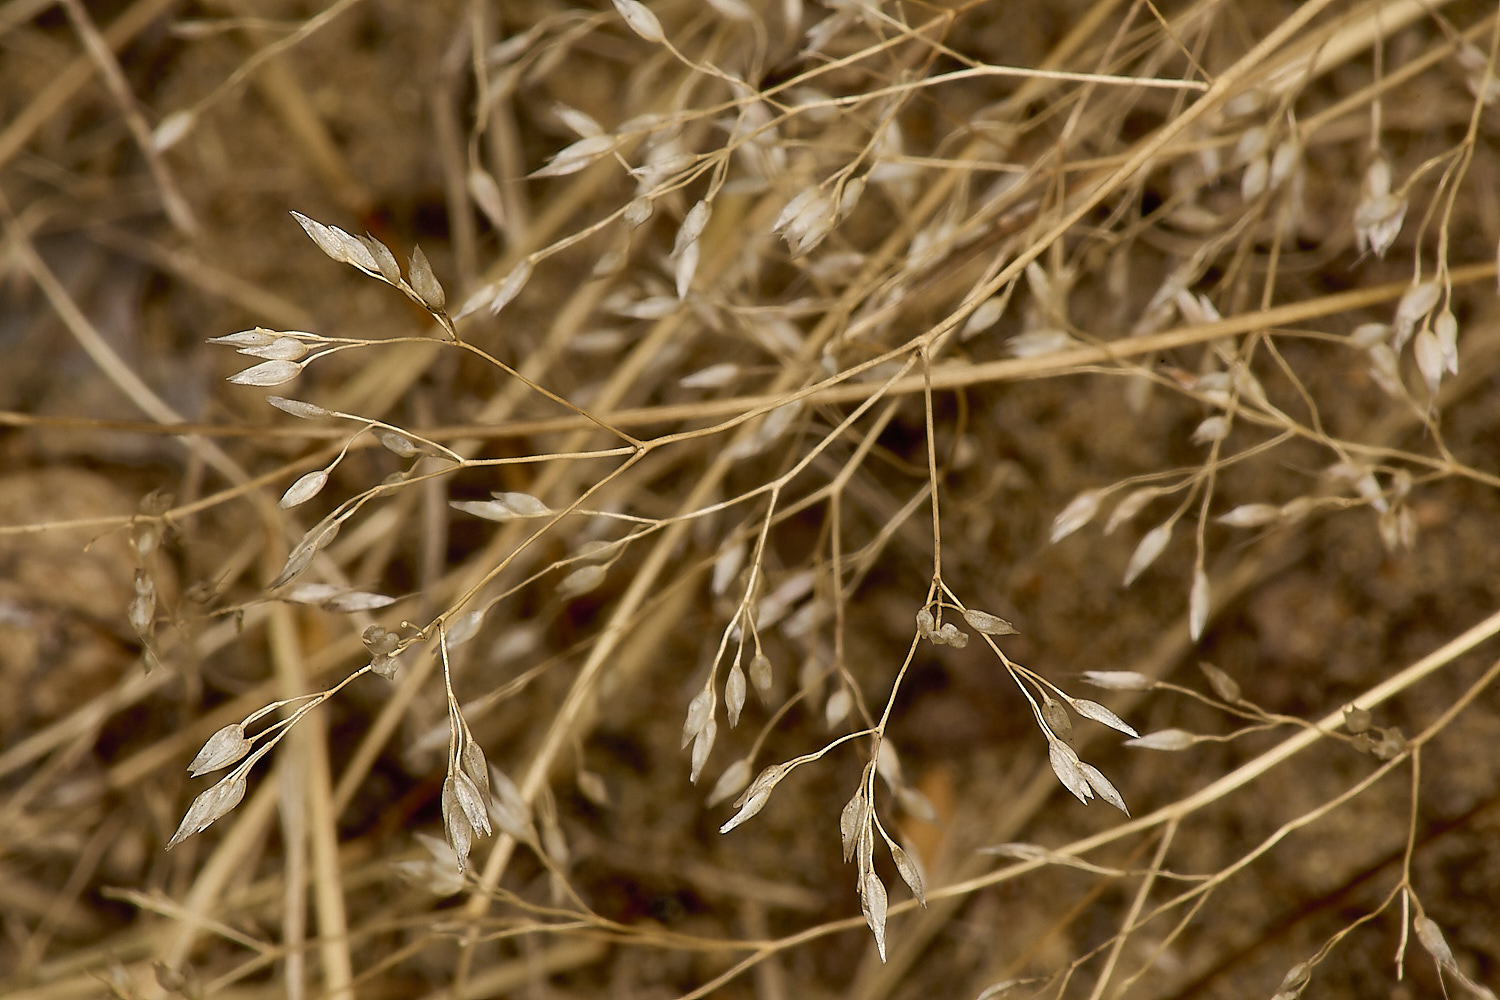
x,y
728,467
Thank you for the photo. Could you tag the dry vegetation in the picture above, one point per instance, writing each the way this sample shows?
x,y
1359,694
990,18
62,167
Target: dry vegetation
x,y
599,568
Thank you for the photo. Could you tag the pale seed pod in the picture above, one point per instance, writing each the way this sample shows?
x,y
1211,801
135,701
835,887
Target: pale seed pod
x,y
1224,686
754,798
726,567
574,157
1151,546
1295,980
171,129
1039,343
702,746
836,710
1079,511
471,759
1362,480
1379,214
1215,428
298,408
853,191
338,244
259,337
734,694
983,621
209,806
317,538
754,804
1164,739
952,636
1385,370
385,261
398,444
304,489
1252,143
925,624
1413,307
685,266
142,608
554,842
640,19
1100,784
735,777
760,675
280,349
1392,744
1285,160
1097,712
916,805
523,504
267,373
1377,223
592,785
984,316
1389,527
1065,764
774,606
811,225
579,121
357,252
1056,718
146,537
464,628
794,208
1445,329
1198,604
1118,680
580,581
471,802
1134,502
888,763
1017,851
864,849
496,297
1296,510
437,875
456,824
1431,937
852,820
1255,178
700,709
652,307
692,227
490,510
910,873
380,642
222,749
1251,515
1429,355
714,376
385,666
1357,720
424,282
597,341
873,902
486,194
637,212
508,808
767,779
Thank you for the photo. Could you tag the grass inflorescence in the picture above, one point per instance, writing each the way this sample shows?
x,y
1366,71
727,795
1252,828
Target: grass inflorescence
x,y
672,491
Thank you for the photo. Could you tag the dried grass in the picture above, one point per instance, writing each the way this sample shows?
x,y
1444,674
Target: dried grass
x,y
728,399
